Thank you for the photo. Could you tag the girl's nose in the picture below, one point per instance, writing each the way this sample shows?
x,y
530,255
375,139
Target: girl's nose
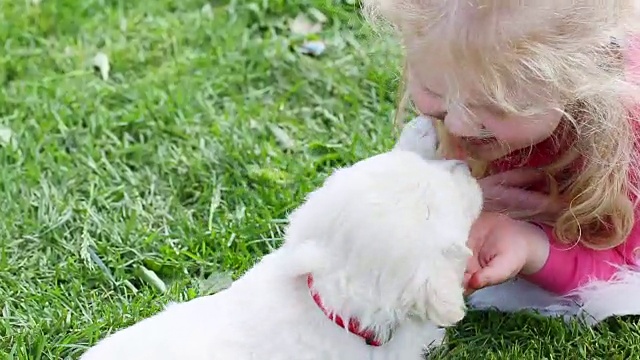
x,y
460,124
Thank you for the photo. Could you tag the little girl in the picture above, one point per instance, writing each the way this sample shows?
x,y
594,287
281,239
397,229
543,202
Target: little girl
x,y
541,101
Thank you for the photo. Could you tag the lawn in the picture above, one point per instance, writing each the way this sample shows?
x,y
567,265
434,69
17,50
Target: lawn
x,y
175,173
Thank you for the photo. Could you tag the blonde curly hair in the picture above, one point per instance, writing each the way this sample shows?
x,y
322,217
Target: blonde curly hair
x,y
565,54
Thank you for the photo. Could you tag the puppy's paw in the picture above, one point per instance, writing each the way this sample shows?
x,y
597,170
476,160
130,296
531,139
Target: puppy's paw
x,y
419,136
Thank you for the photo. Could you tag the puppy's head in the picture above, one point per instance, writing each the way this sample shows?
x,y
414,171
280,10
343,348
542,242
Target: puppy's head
x,y
393,229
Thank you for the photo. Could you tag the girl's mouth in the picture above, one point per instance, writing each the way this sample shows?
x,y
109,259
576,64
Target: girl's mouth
x,y
478,141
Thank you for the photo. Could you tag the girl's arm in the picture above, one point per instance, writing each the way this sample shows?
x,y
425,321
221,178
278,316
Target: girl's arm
x,y
568,267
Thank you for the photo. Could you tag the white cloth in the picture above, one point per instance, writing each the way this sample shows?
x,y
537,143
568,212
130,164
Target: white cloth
x,y
591,304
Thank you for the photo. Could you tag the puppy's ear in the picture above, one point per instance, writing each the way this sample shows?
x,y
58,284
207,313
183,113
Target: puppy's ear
x,y
444,290
305,257
445,299
419,136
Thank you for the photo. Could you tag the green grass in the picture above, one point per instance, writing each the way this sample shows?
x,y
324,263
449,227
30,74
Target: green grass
x,y
173,166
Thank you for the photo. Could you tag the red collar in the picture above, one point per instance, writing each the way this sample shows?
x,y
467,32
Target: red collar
x,y
369,336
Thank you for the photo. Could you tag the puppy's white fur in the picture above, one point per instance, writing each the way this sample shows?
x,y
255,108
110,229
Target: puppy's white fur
x,y
385,241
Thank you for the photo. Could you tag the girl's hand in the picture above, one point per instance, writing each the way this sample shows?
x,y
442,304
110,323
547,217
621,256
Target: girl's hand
x,y
505,192
502,249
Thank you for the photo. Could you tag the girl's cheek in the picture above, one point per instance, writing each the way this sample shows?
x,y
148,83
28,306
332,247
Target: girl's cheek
x,y
426,103
508,130
522,130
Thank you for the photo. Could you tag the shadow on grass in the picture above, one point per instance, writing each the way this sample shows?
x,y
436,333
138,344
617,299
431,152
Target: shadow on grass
x,y
526,335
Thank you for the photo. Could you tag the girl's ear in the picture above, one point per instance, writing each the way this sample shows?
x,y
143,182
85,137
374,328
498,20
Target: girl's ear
x,y
419,136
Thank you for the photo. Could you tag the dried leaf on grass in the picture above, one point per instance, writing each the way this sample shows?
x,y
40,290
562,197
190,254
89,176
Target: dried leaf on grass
x,y
151,278
207,10
284,140
302,25
6,136
101,63
215,283
314,47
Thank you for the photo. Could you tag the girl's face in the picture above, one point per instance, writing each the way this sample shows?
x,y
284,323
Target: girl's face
x,y
481,129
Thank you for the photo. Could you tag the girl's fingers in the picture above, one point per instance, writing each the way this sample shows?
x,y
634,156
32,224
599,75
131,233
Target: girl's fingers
x,y
494,205
499,270
465,281
472,265
510,198
517,178
516,198
468,291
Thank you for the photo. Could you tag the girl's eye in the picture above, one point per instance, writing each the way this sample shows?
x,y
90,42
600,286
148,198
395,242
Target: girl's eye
x,y
497,112
431,93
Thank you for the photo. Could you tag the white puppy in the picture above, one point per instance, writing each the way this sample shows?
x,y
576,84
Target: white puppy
x,y
371,266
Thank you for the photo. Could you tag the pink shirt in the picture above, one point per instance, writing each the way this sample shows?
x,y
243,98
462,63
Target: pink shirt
x,y
569,267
